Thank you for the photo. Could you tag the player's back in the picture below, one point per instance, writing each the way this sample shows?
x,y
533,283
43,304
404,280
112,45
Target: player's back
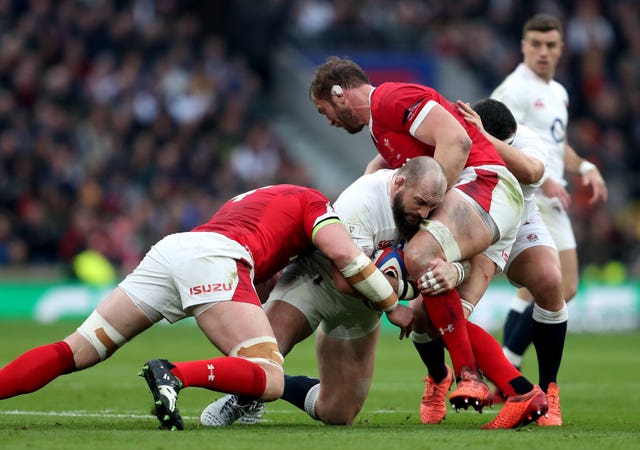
x,y
273,223
365,208
398,108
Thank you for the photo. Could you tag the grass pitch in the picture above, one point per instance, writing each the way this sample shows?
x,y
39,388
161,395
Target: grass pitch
x,y
107,406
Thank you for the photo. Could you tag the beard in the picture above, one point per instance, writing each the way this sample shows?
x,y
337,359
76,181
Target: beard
x,y
349,121
406,228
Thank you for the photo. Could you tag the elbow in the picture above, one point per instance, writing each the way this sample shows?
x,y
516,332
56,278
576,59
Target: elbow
x,y
530,174
535,173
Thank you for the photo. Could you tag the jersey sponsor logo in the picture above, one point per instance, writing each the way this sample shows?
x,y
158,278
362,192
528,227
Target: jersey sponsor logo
x,y
411,112
557,130
385,243
210,287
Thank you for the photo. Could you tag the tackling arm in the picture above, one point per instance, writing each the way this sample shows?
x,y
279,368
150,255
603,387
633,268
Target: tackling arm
x,y
452,143
333,240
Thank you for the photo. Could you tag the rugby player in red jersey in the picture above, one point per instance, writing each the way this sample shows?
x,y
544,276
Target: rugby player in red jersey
x,y
210,273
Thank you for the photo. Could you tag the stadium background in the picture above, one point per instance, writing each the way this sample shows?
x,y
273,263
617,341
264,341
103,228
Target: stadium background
x,y
123,121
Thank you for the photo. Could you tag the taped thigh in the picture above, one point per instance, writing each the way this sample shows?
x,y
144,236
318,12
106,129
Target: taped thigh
x,y
443,235
102,336
261,349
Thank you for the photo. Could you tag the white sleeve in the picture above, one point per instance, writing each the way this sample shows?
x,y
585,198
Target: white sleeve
x,y
528,142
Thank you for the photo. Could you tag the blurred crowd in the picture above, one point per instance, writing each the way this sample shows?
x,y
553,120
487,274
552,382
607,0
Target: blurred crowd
x,y
122,121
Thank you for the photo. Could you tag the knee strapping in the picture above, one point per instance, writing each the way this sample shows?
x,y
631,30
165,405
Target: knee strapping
x,y
443,235
101,335
261,349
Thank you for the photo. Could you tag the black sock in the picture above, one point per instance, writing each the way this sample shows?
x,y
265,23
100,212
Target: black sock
x,y
296,389
432,354
509,324
548,340
243,400
521,336
521,385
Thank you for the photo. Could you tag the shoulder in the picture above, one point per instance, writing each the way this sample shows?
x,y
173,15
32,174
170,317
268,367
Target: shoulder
x,y
363,196
559,90
513,86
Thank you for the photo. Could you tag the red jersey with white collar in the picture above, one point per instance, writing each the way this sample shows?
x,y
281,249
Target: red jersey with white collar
x,y
273,223
398,108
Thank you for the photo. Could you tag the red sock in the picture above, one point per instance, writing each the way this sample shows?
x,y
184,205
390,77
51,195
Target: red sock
x,y
491,359
35,369
225,374
445,313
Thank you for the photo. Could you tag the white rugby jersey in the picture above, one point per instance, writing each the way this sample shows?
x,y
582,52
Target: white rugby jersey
x,y
541,106
365,209
531,145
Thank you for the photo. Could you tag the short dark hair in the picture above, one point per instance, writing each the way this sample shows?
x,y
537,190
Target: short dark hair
x,y
496,118
542,22
341,71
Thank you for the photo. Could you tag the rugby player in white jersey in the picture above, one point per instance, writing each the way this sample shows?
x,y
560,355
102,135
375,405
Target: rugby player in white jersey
x,y
541,103
308,297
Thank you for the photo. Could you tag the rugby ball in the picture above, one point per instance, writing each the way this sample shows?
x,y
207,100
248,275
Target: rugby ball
x,y
390,260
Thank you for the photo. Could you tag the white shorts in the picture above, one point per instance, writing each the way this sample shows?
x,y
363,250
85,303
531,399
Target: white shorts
x,y
307,285
184,270
557,220
531,233
496,195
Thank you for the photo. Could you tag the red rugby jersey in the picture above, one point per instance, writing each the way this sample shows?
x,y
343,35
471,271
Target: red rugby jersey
x,y
395,107
273,223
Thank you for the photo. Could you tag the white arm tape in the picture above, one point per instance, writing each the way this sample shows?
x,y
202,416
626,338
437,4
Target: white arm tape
x,y
406,290
460,268
586,166
364,276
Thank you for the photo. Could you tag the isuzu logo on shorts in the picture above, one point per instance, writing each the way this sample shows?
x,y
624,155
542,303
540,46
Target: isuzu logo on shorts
x,y
210,287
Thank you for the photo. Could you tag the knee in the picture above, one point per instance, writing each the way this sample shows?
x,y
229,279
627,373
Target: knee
x,y
341,416
547,289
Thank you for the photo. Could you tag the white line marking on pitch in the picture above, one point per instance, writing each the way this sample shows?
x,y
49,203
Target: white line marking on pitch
x,y
111,415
